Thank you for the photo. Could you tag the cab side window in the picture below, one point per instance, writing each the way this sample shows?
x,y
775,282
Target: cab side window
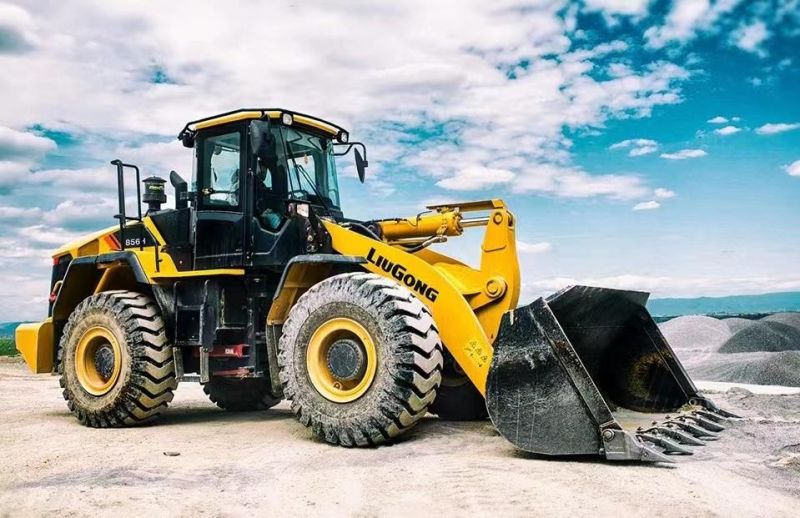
x,y
221,174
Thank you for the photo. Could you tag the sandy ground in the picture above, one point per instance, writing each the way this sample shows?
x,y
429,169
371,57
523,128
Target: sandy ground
x,y
236,464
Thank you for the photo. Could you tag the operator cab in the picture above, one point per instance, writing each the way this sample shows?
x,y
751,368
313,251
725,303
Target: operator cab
x,y
261,177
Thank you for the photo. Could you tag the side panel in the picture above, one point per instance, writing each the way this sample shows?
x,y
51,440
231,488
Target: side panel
x,y
459,328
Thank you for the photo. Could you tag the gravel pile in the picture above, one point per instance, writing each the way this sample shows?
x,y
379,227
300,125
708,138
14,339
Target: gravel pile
x,y
764,352
695,333
763,335
760,368
736,324
790,319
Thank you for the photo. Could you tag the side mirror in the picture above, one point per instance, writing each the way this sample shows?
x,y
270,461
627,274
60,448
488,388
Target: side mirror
x,y
261,142
361,165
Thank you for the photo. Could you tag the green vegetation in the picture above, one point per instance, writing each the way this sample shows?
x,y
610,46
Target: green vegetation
x,y
7,346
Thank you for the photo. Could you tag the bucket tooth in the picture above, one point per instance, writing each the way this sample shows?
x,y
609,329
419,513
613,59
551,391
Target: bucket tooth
x,y
726,414
622,445
710,406
700,433
679,435
706,423
711,416
668,445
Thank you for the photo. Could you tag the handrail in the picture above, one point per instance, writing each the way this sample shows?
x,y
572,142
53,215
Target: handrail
x,y
121,216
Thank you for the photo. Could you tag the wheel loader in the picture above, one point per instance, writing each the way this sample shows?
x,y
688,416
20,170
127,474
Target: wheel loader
x,y
257,286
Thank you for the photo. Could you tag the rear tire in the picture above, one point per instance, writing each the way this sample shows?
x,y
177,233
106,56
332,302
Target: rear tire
x,y
115,362
458,399
240,394
403,353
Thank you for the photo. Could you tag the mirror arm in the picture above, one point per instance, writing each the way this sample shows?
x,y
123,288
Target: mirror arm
x,y
350,146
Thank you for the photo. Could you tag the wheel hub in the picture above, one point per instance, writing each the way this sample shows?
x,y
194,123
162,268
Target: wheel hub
x,y
98,360
104,361
341,360
346,360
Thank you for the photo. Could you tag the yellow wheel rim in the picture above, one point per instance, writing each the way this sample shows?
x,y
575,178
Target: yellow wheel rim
x,y
98,360
327,338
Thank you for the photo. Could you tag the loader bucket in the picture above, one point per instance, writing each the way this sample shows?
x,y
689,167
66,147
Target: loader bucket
x,y
587,372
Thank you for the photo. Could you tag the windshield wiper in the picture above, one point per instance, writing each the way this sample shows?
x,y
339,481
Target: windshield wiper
x,y
298,167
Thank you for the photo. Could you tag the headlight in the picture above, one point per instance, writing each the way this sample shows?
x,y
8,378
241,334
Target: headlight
x,y
287,119
343,137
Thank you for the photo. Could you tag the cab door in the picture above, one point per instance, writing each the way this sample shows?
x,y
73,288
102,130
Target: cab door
x,y
220,233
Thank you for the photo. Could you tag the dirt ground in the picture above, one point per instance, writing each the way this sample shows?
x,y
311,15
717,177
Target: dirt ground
x,y
236,464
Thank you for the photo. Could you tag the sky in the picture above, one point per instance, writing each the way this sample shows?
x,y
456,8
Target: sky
x,y
642,144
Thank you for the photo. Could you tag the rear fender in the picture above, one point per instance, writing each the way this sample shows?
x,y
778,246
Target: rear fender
x,y
86,276
92,274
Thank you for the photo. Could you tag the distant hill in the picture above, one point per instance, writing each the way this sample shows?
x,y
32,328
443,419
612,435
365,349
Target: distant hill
x,y
7,328
731,305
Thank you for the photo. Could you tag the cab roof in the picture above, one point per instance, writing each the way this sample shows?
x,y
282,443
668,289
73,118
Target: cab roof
x,y
278,114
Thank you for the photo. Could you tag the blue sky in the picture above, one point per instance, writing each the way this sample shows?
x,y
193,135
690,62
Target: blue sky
x,y
641,144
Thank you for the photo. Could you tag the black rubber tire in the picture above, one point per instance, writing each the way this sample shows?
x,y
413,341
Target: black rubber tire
x,y
458,399
240,394
409,359
147,374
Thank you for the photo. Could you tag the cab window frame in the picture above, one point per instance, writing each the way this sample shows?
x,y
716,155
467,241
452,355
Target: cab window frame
x,y
203,169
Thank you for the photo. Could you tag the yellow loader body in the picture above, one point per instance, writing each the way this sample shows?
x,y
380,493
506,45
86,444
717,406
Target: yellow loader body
x,y
262,291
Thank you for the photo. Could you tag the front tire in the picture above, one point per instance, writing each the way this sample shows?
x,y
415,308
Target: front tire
x,y
360,359
115,362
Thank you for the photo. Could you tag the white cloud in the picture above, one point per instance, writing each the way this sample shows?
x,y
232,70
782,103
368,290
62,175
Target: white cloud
x,y
619,7
15,145
422,67
771,129
533,248
475,178
637,147
750,37
727,130
685,19
19,151
719,119
17,30
664,193
647,205
573,182
684,154
793,169
15,214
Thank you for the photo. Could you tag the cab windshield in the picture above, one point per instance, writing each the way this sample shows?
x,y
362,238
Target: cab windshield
x,y
311,170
